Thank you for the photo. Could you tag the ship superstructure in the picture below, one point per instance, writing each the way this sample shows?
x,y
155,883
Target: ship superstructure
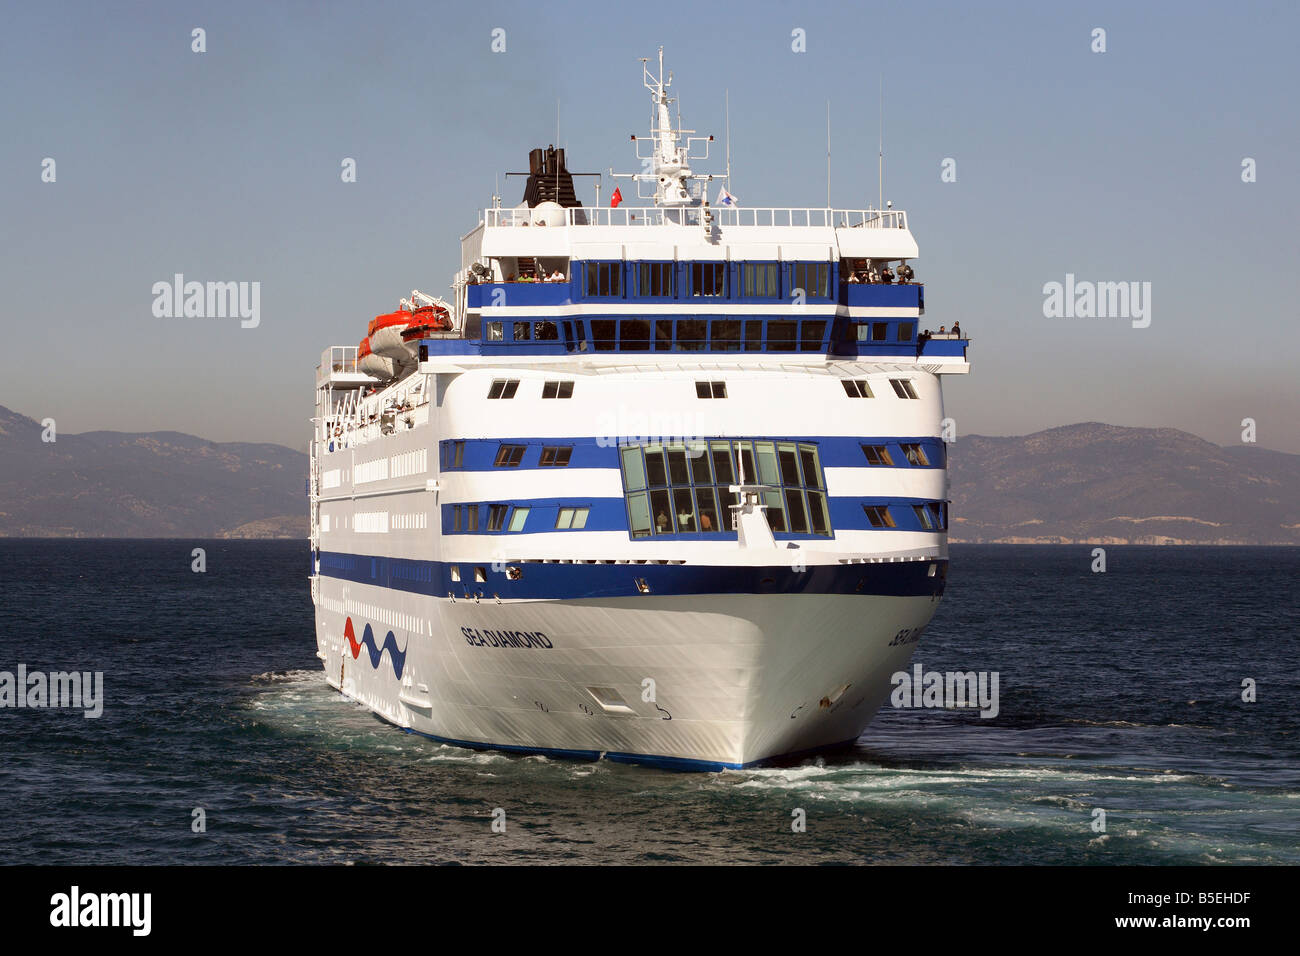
x,y
661,482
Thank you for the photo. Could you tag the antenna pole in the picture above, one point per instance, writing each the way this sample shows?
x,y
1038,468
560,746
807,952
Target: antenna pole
x,y
828,154
881,200
728,114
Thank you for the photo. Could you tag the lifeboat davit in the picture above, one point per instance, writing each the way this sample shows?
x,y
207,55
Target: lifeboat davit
x,y
372,364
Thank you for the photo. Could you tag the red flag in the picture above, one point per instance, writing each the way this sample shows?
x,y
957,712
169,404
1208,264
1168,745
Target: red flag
x,y
615,199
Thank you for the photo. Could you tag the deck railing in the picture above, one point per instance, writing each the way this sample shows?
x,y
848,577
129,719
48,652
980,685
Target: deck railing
x,y
787,217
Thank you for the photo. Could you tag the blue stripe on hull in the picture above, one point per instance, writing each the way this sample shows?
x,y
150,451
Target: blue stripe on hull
x,y
539,581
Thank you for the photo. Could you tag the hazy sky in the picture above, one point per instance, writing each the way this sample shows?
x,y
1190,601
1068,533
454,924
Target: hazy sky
x,y
1117,166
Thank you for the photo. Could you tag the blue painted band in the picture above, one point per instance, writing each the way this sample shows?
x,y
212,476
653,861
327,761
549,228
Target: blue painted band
x,y
540,581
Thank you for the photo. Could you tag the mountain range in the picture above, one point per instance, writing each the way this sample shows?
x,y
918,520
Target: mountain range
x,y
1086,483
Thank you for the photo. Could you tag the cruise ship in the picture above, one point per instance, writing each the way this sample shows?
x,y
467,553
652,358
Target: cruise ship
x,y
662,480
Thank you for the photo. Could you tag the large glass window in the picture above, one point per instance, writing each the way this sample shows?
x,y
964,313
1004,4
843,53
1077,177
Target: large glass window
x,y
708,278
656,279
684,487
812,277
605,279
761,280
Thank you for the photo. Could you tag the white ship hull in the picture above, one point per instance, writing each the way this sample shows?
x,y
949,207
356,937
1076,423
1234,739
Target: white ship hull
x,y
702,681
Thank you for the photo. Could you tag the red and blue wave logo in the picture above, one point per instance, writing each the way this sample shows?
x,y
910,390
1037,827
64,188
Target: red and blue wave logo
x,y
396,655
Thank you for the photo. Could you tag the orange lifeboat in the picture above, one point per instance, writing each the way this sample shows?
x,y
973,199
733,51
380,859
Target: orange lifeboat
x,y
385,333
372,364
427,318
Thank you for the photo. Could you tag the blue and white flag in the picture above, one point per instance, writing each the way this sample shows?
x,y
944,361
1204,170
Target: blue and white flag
x,y
725,198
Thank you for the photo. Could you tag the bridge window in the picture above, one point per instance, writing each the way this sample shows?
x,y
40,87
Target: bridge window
x,y
857,388
571,519
684,488
915,455
877,455
710,389
634,335
814,278
557,389
761,280
503,388
811,336
602,334
724,336
509,456
692,335
903,388
556,456
708,278
657,280
879,516
605,279
781,336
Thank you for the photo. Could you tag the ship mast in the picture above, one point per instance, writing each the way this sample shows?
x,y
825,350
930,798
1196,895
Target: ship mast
x,y
668,164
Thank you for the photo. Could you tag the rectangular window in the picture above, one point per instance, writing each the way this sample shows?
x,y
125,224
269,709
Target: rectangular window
x,y
509,456
692,335
557,389
455,517
605,279
503,388
710,389
904,331
708,278
517,519
761,280
523,331
571,519
915,455
471,517
781,336
724,336
811,335
879,516
903,388
857,388
546,332
494,332
877,455
879,331
923,516
939,511
602,334
812,277
634,335
753,335
455,572
556,456
497,516
657,280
